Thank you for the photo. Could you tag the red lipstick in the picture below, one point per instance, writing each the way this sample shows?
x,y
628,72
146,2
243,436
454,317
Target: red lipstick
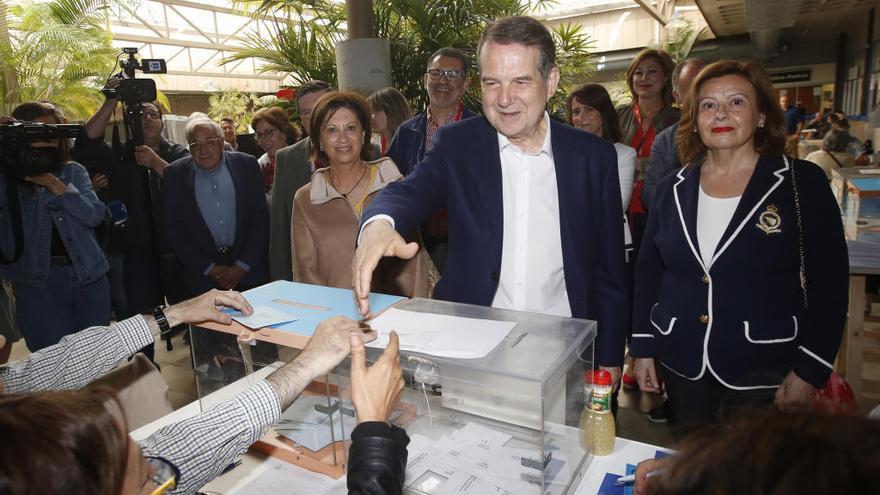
x,y
721,130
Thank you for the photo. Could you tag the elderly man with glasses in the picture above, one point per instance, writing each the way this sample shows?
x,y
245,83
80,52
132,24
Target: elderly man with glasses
x,y
204,197
446,80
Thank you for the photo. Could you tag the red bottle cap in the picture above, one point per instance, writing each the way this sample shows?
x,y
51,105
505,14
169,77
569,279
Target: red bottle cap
x,y
598,377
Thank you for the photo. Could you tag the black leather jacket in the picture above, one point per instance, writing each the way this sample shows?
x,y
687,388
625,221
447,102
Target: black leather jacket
x,y
377,459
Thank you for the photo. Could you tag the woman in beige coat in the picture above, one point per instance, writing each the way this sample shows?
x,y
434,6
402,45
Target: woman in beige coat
x,y
327,211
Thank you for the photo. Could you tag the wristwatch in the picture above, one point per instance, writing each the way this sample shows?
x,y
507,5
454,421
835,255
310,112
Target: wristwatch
x,y
161,320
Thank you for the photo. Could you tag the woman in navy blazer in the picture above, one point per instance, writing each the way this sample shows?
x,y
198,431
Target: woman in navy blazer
x,y
741,285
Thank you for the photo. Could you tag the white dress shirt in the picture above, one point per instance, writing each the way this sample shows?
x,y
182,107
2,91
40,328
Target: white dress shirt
x,y
532,276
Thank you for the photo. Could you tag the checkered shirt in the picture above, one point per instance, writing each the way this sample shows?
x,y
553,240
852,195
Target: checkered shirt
x,y
201,447
78,359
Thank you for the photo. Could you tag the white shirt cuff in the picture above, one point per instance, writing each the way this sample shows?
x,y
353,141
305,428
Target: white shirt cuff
x,y
373,219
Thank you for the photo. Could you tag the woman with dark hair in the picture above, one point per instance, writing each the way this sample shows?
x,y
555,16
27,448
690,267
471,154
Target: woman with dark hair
x,y
273,130
590,109
779,454
60,280
327,211
62,442
390,109
741,283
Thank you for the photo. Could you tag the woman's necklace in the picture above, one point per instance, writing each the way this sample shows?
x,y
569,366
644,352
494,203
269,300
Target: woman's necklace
x,y
345,194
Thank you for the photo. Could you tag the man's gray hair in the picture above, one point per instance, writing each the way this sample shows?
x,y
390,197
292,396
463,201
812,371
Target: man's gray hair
x,y
836,140
202,121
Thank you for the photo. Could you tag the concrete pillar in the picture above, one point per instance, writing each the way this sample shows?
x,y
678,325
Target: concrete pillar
x,y
363,62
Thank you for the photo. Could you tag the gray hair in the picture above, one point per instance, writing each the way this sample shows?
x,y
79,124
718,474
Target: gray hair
x,y
202,121
836,140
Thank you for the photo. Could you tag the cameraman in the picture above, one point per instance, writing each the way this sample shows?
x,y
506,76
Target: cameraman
x,y
135,179
60,281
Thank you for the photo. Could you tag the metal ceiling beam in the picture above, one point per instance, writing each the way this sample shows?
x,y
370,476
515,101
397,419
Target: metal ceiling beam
x,y
647,7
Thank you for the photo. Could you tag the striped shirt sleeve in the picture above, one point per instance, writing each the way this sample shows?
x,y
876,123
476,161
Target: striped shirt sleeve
x,y
202,446
78,358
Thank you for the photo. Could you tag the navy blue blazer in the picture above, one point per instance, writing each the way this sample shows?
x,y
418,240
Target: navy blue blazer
x,y
190,237
462,173
742,319
407,147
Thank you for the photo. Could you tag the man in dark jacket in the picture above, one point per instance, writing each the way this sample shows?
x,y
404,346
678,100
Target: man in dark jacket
x,y
664,155
446,81
220,225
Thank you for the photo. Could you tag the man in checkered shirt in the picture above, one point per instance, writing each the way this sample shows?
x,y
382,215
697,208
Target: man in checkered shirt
x,y
201,447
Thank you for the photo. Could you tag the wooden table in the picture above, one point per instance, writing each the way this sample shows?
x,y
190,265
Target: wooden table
x,y
850,363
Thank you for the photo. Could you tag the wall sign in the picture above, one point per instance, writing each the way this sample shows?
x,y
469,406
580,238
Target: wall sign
x,y
790,76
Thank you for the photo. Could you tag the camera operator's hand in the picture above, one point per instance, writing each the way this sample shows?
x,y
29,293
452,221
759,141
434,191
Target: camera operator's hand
x,y
146,157
48,181
7,120
99,181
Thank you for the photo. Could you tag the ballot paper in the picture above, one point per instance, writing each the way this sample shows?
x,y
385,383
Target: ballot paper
x,y
440,335
263,316
274,476
477,460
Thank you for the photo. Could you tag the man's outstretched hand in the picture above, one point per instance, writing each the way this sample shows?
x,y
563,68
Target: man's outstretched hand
x,y
378,239
207,308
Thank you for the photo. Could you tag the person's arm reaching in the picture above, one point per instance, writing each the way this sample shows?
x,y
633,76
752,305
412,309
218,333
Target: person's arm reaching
x,y
201,447
97,123
377,240
377,457
86,355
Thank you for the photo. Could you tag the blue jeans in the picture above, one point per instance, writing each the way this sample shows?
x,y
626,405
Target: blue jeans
x,y
61,307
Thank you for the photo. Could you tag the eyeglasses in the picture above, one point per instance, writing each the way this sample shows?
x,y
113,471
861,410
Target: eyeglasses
x,y
152,115
451,74
195,145
164,476
267,134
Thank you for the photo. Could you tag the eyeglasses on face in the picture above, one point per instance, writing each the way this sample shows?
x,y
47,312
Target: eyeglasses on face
x,y
152,115
195,145
451,74
267,134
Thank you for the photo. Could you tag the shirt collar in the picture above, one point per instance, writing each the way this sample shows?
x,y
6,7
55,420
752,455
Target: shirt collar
x,y
546,147
200,172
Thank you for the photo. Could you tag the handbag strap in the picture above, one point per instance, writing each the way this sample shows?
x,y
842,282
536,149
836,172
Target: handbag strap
x,y
834,158
797,209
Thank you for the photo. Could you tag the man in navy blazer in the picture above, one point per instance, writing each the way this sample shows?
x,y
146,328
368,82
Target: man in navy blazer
x,y
534,205
216,217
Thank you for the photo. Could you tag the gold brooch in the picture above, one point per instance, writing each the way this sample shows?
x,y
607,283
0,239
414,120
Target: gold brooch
x,y
769,221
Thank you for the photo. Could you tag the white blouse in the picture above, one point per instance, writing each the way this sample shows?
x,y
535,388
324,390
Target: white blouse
x,y
713,216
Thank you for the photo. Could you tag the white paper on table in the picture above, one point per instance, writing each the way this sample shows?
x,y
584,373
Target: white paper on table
x,y
423,453
440,335
870,171
264,316
279,477
464,483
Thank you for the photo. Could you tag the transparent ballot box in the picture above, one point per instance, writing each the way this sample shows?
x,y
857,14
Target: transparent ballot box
x,y
503,423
